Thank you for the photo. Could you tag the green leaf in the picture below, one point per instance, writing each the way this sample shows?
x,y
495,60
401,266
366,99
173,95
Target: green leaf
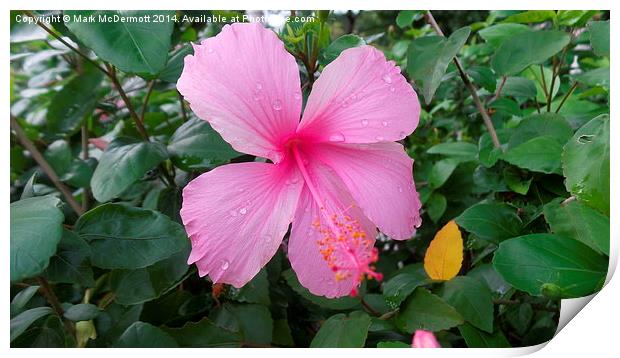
x,y
483,76
534,74
488,155
493,222
531,16
255,291
472,299
495,35
393,344
127,237
21,322
515,180
436,206
341,331
144,284
204,334
599,37
475,338
122,164
586,164
532,261
82,312
73,103
486,273
340,44
282,335
519,87
441,171
597,77
520,51
580,222
399,287
538,125
541,154
70,264
22,298
460,150
195,146
36,228
424,310
144,335
342,303
174,66
58,155
406,17
111,323
574,17
254,322
132,46
428,58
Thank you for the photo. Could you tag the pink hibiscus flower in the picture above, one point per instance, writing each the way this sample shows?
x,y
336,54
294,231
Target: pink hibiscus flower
x,y
424,339
336,174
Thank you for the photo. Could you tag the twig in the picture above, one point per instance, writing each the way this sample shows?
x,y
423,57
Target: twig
x,y
470,86
368,308
59,38
499,89
38,157
181,102
544,83
86,193
52,299
568,94
146,100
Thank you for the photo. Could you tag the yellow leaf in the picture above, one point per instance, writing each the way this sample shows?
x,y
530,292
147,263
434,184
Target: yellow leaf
x,y
444,255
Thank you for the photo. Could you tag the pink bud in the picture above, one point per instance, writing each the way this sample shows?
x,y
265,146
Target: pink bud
x,y
424,339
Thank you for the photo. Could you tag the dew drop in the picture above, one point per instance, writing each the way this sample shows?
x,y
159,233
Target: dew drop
x,y
379,138
243,211
384,123
392,89
400,189
364,123
387,79
259,86
338,137
210,50
233,213
277,105
224,264
297,96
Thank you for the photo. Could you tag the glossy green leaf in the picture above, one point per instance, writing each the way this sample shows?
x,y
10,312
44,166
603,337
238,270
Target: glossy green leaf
x,y
495,35
21,322
399,287
393,344
519,87
204,334
541,154
531,16
472,299
254,322
22,298
428,58
343,331
483,76
255,291
436,206
73,103
424,310
145,335
36,228
476,338
123,163
599,37
82,312
520,51
493,222
406,17
132,46
461,150
335,303
195,145
441,171
580,222
532,261
126,237
71,263
586,164
174,66
337,46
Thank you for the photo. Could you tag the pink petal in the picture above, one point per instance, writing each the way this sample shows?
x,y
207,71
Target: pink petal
x,y
246,85
424,339
379,176
304,252
236,216
361,98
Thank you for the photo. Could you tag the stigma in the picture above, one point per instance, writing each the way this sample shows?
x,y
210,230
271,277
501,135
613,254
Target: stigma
x,y
347,249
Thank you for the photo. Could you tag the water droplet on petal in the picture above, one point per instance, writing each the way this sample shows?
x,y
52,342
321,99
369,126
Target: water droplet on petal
x,y
210,50
387,79
277,105
338,137
400,189
392,89
233,213
243,211
224,264
379,138
384,123
297,96
259,86
364,123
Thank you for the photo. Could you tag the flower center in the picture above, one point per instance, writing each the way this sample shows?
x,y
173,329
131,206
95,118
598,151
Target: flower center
x,y
345,246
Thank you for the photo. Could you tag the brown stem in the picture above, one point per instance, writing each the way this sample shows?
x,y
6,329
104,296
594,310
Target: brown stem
x,y
470,86
38,157
552,84
566,96
86,194
368,308
132,111
52,299
59,38
181,102
146,100
544,83
499,89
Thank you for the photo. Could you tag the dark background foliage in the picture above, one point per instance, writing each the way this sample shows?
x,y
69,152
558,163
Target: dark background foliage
x,y
102,145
